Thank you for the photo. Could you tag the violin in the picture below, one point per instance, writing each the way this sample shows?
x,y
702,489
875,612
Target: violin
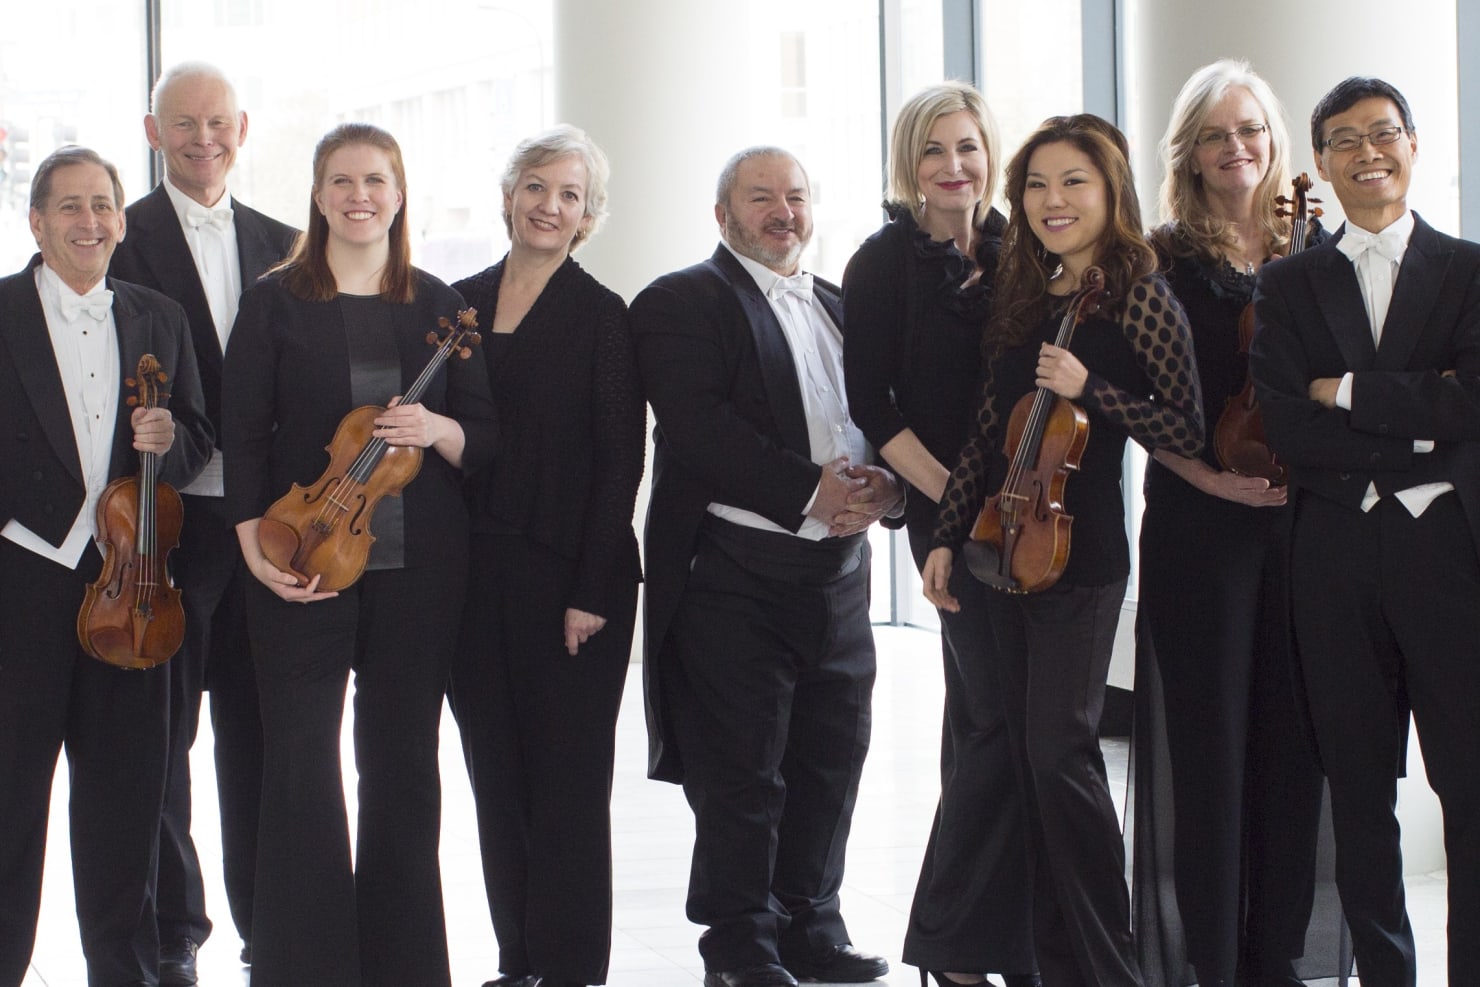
x,y
1238,437
131,616
1020,542
323,529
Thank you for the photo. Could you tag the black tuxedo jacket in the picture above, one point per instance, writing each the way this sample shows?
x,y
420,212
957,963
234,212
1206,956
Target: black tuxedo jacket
x,y
154,254
1312,323
42,483
731,428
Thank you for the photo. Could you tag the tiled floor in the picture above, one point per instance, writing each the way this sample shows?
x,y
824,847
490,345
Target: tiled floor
x,y
653,944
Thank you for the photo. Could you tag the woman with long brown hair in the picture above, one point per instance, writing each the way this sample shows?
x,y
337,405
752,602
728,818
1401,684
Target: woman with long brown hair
x,y
1130,367
341,324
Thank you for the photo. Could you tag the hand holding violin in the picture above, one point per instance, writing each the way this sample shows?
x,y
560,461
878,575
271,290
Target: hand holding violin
x,y
154,429
1061,372
413,425
269,575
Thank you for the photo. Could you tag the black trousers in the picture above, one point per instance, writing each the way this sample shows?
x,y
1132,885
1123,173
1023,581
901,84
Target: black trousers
x,y
538,731
317,920
973,904
1053,650
772,658
208,569
112,723
1247,792
1387,617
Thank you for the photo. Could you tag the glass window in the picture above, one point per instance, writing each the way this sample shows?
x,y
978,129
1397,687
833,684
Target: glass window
x,y
456,110
43,106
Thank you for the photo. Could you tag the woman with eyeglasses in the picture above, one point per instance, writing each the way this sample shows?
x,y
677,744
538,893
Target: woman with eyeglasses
x,y
1233,823
1129,367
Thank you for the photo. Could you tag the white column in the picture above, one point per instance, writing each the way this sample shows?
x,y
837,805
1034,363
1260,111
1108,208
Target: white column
x,y
659,85
1303,50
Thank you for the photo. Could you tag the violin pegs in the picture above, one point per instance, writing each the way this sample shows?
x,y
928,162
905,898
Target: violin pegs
x,y
444,322
468,318
463,352
1318,212
432,338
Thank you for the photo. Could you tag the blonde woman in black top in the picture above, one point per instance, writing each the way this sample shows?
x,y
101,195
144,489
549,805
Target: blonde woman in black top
x,y
916,296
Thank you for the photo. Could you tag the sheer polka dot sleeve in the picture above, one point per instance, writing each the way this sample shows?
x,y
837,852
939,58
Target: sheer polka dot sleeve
x,y
1168,415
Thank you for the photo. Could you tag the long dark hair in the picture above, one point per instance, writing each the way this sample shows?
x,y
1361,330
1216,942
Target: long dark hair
x,y
306,271
1026,267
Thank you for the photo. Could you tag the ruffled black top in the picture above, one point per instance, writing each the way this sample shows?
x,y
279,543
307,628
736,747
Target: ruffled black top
x,y
912,332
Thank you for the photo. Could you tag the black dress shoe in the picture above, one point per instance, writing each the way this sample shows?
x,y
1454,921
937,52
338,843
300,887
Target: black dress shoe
x,y
840,964
513,980
177,963
761,975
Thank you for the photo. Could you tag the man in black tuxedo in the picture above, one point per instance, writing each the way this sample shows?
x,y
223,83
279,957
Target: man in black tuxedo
x,y
192,241
759,655
1367,360
66,344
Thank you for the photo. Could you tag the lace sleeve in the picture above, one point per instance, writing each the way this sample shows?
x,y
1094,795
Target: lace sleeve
x,y
966,490
1168,414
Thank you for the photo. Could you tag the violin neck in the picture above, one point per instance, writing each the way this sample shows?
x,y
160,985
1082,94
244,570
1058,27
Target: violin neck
x,y
1298,233
144,526
424,379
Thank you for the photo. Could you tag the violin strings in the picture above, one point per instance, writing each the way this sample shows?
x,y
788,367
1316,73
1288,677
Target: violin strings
x,y
372,452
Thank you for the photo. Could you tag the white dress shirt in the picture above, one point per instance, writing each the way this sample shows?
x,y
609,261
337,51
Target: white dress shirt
x,y
84,341
1377,269
211,236
817,350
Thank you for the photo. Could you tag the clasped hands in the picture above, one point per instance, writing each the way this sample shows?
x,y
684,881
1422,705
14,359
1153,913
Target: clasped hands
x,y
850,497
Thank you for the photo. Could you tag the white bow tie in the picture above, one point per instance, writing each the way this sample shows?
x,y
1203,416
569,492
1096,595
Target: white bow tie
x,y
1355,242
198,215
95,304
798,284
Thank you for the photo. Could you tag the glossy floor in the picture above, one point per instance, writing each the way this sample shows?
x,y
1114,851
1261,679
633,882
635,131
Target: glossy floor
x,y
654,946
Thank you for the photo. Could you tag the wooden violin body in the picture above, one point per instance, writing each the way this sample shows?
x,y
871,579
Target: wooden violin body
x,y
131,616
323,529
1238,437
1020,542
1023,535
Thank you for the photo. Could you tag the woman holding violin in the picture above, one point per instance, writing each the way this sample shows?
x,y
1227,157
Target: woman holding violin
x,y
552,600
343,323
915,297
1235,822
1127,371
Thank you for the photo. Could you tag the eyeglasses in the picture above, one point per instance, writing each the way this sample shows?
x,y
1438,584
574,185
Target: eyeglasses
x,y
1350,142
1215,138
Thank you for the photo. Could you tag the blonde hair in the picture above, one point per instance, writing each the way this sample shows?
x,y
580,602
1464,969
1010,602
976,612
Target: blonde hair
x,y
1183,199
562,141
912,132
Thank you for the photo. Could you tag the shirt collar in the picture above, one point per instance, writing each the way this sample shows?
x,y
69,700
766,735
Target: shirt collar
x,y
51,284
182,202
1400,227
762,275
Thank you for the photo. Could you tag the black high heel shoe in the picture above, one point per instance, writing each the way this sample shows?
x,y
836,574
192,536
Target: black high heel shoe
x,y
942,980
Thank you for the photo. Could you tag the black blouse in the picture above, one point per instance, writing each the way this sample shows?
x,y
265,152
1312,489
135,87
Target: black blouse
x,y
1142,384
912,338
572,422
